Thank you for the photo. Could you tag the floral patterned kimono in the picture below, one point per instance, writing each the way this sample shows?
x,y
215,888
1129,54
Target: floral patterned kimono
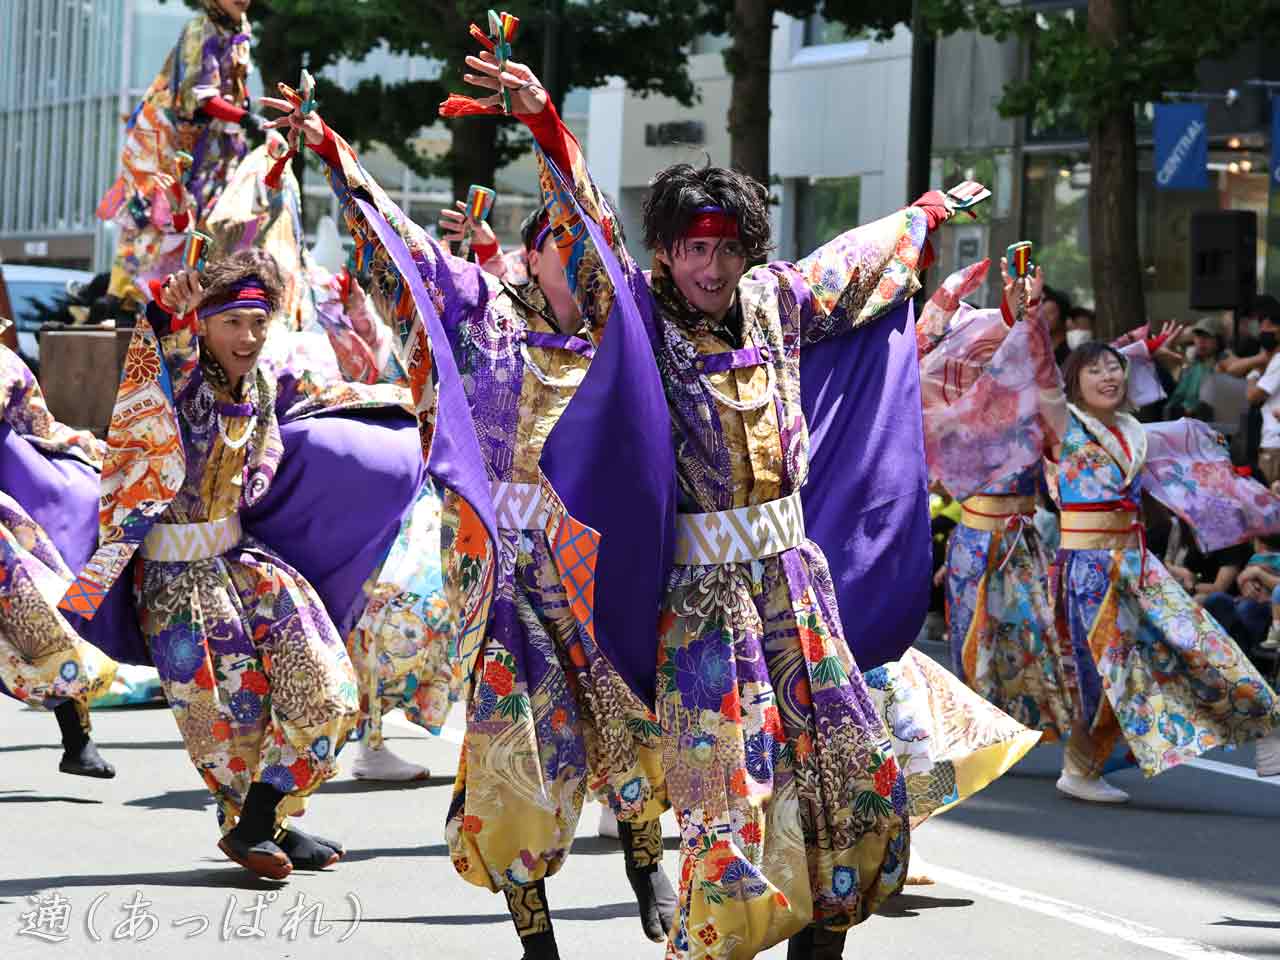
x,y
1145,661
547,716
993,400
253,668
791,805
403,646
43,660
211,58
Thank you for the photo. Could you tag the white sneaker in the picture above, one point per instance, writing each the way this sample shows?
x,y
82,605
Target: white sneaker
x,y
1267,754
382,764
1095,790
1273,638
608,822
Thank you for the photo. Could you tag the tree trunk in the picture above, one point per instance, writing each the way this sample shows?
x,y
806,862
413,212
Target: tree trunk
x,y
749,59
1116,266
920,119
473,157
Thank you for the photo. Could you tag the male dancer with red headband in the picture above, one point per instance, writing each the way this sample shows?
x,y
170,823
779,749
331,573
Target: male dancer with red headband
x,y
793,814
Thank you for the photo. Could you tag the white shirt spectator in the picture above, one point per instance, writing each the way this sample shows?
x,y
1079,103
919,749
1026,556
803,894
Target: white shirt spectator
x,y
1269,383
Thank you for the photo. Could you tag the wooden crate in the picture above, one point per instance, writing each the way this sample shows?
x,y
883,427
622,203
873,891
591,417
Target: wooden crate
x,y
79,373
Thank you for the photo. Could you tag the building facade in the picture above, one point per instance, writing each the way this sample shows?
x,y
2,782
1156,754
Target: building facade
x,y
838,138
71,71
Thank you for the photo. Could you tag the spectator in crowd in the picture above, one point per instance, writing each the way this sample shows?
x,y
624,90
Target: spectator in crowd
x,y
1206,351
1262,394
1081,318
1251,616
1053,313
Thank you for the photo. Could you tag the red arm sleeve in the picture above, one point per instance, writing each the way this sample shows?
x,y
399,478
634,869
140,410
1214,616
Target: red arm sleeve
x,y
221,109
327,148
555,139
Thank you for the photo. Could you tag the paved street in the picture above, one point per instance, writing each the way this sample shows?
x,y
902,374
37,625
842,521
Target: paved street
x,y
1190,869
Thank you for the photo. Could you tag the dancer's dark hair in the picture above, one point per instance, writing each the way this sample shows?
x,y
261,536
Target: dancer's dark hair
x,y
221,276
681,191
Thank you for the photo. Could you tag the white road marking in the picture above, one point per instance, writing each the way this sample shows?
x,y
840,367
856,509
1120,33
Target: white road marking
x,y
1136,933
1231,770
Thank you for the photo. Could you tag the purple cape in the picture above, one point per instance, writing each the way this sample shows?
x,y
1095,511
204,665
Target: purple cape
x,y
610,459
866,503
334,508
455,459
61,494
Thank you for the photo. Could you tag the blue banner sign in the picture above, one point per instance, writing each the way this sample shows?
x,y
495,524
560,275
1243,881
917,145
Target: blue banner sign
x,y
1182,146
1275,143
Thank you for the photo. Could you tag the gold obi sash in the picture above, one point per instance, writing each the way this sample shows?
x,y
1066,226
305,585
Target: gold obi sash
x,y
736,536
187,542
1102,530
992,512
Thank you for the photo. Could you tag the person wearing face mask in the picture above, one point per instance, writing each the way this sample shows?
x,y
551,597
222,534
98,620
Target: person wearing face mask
x,y
1080,322
1206,351
1054,312
1149,665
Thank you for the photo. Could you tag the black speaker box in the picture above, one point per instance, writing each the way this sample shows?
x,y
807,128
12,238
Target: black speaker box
x,y
1224,259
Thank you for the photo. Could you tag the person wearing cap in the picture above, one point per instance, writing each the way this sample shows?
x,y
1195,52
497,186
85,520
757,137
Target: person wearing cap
x,y
1184,401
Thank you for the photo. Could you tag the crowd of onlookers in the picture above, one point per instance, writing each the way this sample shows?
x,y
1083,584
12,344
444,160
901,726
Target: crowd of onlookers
x,y
1227,374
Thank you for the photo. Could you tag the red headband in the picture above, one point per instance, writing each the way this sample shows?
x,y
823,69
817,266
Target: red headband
x,y
712,222
248,295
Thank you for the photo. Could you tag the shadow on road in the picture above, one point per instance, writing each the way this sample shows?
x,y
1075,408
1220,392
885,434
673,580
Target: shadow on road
x,y
379,786
596,846
229,876
174,800
43,798
910,904
377,853
55,746
607,911
1256,924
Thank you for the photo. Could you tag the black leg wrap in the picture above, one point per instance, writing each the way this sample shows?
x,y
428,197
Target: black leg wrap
x,y
655,897
527,905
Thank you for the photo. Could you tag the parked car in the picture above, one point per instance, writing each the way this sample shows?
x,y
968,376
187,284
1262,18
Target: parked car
x,y
37,295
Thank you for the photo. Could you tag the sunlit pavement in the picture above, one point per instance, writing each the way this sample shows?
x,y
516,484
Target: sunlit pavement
x,y
1190,868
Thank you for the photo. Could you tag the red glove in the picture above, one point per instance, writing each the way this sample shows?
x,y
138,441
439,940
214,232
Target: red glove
x,y
327,148
485,251
934,203
221,109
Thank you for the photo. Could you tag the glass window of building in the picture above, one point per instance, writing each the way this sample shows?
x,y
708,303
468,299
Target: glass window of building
x,y
819,31
825,208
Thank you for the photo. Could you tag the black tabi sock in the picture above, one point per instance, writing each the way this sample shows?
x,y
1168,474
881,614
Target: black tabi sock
x,y
258,814
655,897
73,734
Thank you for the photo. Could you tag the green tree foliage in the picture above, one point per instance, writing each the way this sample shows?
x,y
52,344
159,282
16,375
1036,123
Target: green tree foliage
x,y
645,42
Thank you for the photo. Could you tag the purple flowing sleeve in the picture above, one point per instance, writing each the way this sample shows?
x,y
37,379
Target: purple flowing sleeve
x,y
1189,470
866,502
993,400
